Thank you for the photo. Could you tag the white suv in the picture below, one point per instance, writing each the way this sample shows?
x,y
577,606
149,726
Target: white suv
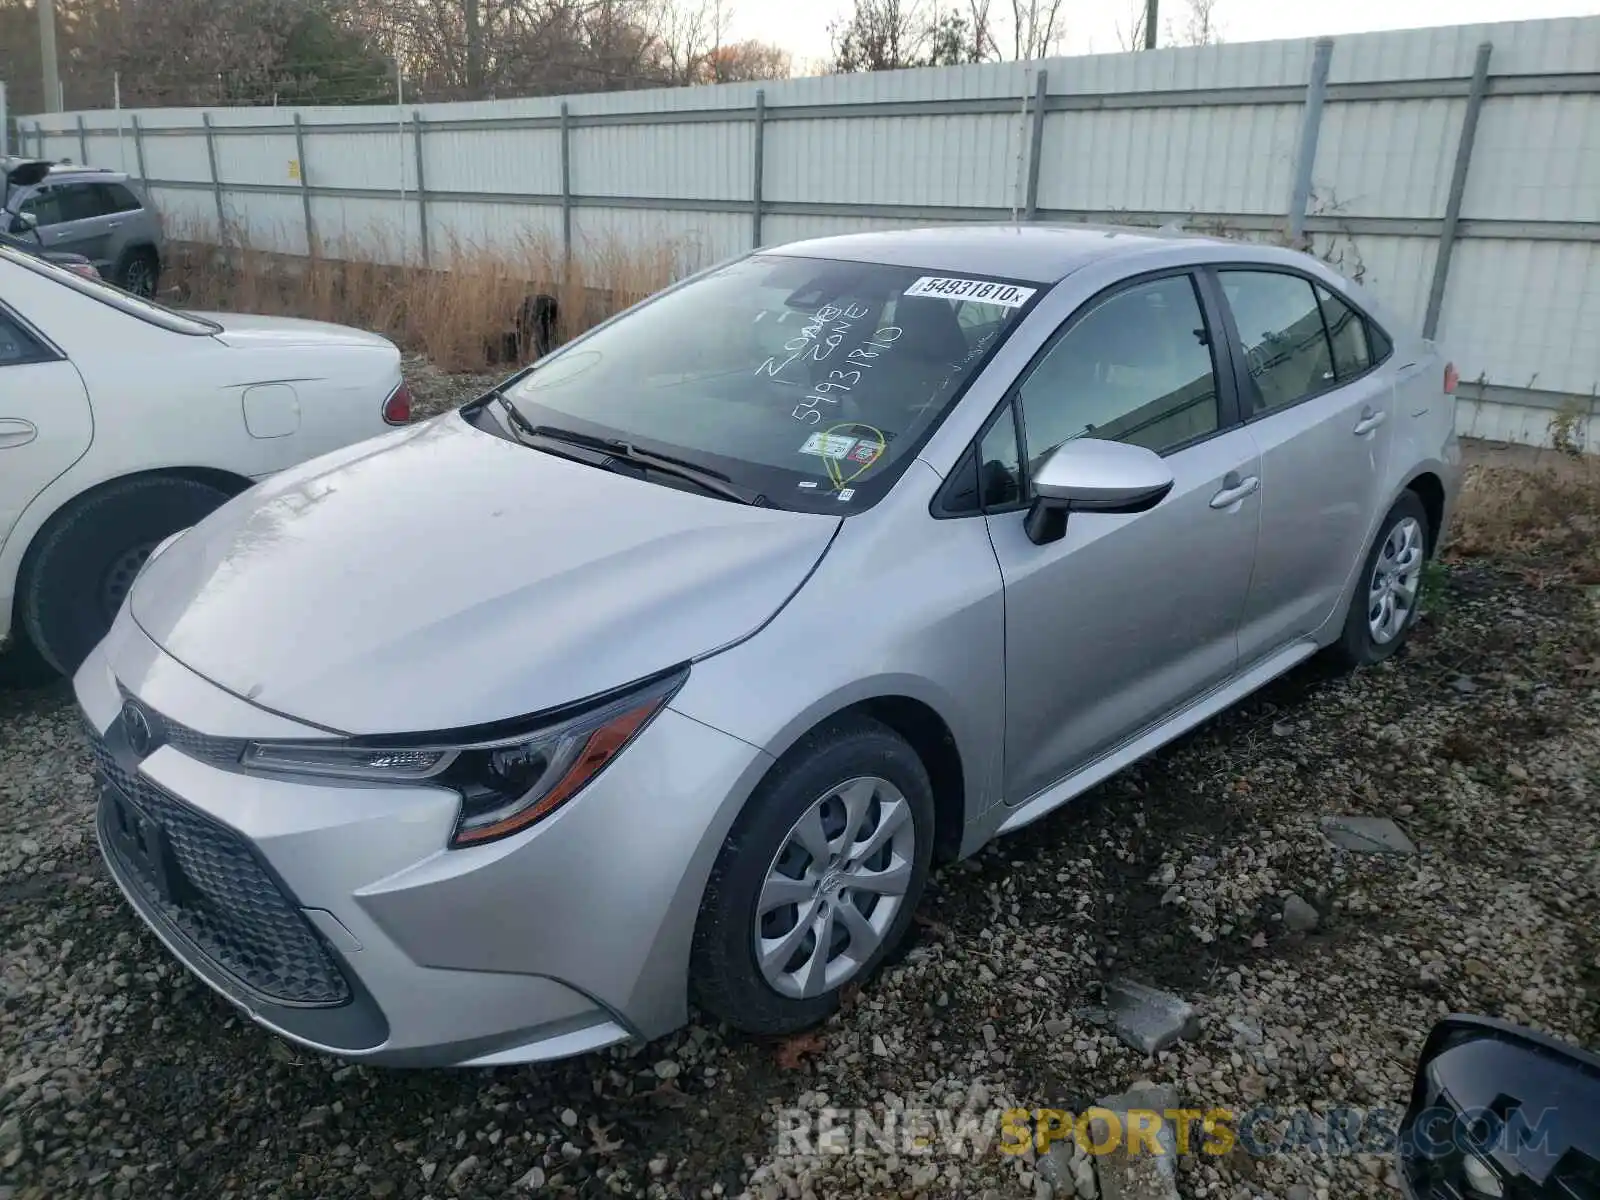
x,y
122,422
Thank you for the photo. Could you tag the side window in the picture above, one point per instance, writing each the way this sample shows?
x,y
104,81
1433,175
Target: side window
x,y
1347,331
80,201
115,198
1382,347
45,204
1280,325
16,344
989,476
1000,464
1135,368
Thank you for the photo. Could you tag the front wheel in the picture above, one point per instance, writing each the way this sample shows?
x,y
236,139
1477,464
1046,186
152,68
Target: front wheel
x,y
818,880
1389,590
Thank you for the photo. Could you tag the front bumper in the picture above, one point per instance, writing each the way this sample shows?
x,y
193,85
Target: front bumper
x,y
334,916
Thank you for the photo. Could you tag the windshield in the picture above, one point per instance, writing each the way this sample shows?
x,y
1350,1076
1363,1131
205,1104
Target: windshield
x,y
98,289
811,381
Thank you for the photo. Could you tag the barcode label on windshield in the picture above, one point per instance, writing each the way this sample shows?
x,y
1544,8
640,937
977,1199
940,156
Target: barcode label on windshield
x,y
985,291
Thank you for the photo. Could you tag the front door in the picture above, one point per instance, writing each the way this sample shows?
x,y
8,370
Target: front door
x,y
1323,419
76,218
1127,617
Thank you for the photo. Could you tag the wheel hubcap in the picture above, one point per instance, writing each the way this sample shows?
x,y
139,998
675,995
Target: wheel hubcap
x,y
1396,579
834,887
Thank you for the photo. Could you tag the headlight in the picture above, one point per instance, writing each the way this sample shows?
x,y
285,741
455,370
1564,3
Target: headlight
x,y
506,782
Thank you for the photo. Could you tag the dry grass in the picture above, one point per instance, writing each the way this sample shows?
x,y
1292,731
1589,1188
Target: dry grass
x,y
458,314
1541,511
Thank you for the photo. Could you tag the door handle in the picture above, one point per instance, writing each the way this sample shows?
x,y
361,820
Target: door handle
x,y
113,224
16,432
1234,489
1369,421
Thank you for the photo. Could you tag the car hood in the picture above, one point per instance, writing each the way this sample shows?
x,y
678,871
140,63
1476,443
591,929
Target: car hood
x,y
249,330
440,577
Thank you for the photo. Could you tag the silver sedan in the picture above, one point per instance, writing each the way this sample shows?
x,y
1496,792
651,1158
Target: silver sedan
x,y
664,672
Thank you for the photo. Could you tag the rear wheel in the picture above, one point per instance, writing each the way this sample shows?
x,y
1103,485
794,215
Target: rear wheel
x,y
817,882
1389,591
138,271
81,567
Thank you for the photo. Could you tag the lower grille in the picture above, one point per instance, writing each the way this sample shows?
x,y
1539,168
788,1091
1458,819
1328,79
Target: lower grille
x,y
210,889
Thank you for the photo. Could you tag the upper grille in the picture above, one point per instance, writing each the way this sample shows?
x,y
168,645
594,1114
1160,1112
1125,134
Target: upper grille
x,y
226,905
217,751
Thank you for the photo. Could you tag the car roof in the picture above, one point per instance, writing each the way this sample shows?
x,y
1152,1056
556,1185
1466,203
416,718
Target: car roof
x,y
1033,252
58,170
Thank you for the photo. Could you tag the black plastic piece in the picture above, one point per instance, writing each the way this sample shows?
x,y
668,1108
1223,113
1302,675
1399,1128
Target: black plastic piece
x,y
1520,1103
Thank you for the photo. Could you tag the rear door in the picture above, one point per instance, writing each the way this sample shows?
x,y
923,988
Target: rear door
x,y
1322,412
45,422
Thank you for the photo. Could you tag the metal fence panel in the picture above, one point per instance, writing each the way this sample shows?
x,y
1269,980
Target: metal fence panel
x,y
1222,137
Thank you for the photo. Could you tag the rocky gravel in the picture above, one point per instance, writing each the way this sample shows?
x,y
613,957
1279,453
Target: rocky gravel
x,y
1315,970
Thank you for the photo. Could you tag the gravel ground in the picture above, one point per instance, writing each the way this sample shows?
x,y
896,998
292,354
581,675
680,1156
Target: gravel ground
x,y
120,1077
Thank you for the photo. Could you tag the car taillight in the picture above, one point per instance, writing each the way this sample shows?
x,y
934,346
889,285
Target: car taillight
x,y
1451,378
87,270
397,408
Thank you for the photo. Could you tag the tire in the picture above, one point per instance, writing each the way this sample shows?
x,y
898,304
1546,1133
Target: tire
x,y
138,271
1359,645
84,560
726,979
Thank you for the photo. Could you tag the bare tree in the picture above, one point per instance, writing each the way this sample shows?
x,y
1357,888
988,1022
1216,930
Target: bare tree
x,y
1199,28
1132,37
885,35
1036,27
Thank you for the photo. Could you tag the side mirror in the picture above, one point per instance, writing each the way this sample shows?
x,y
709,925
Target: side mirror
x,y
23,223
1087,475
1497,1110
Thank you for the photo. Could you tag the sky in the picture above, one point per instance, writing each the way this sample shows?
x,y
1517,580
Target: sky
x,y
801,26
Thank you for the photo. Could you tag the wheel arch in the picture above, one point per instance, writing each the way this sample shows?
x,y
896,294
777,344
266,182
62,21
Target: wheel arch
x,y
1429,488
223,481
929,735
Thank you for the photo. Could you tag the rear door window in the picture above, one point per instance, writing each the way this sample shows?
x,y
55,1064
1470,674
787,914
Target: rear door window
x,y
114,198
1285,344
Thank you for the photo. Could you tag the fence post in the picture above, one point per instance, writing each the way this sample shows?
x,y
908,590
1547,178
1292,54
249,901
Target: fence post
x,y
1458,188
1036,143
422,185
138,153
1310,128
216,179
305,186
566,189
83,143
760,135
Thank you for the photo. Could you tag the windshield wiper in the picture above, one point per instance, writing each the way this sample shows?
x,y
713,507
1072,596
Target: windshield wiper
x,y
704,478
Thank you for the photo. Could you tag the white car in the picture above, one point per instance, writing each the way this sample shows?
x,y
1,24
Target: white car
x,y
122,422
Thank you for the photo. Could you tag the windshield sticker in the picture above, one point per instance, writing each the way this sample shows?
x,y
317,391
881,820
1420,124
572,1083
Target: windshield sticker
x,y
846,493
828,445
986,291
808,483
863,452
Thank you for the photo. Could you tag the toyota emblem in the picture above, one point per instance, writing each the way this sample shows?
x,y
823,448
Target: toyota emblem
x,y
136,724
